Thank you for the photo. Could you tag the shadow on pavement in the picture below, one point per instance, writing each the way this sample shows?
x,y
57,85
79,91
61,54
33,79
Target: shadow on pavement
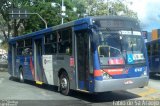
x,y
33,83
94,98
155,77
105,96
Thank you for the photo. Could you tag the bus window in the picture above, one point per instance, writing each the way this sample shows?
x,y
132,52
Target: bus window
x,y
28,47
28,42
50,43
20,47
27,51
64,41
24,47
19,51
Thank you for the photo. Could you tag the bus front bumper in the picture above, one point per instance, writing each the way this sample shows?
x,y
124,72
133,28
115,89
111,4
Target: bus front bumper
x,y
120,84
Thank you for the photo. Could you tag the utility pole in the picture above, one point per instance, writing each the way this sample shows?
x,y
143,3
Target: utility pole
x,y
108,6
63,14
62,10
20,14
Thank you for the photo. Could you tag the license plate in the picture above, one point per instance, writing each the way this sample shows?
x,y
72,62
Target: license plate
x,y
128,82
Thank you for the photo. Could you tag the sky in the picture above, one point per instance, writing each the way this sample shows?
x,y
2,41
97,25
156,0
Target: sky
x,y
148,12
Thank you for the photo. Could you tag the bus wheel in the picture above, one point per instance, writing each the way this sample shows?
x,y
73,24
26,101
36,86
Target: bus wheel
x,y
21,77
64,84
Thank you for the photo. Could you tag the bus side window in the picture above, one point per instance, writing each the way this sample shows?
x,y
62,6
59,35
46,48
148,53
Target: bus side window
x,y
28,47
27,51
20,47
64,41
19,51
50,43
68,48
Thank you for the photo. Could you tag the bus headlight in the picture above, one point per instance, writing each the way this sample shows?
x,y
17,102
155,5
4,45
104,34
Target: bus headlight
x,y
145,72
106,76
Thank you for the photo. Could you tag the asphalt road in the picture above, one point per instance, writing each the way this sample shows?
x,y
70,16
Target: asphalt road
x,y
29,94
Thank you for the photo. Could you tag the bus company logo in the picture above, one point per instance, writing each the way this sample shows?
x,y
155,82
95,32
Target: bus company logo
x,y
45,61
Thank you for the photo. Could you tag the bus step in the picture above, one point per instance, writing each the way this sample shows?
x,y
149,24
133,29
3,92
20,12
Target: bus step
x,y
83,90
39,82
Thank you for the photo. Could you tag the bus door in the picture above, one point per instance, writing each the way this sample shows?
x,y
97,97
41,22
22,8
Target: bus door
x,y
38,59
82,59
155,57
13,59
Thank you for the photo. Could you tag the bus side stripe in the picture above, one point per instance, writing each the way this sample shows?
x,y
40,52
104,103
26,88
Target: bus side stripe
x,y
118,71
32,68
97,73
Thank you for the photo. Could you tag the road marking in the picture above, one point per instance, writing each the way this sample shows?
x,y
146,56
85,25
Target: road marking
x,y
148,92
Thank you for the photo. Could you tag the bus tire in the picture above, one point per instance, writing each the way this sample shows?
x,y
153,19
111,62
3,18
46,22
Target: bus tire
x,y
21,76
64,84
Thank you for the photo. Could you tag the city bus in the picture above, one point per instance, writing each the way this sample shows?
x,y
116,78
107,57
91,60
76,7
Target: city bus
x,y
153,49
91,54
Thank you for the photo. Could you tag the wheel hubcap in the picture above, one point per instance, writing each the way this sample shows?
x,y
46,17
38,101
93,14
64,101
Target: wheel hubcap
x,y
64,83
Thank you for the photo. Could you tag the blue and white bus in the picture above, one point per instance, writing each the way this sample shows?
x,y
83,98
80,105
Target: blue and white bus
x,y
92,54
153,49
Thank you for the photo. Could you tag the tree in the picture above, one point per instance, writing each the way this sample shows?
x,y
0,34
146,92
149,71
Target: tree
x,y
42,7
103,7
4,20
11,26
51,14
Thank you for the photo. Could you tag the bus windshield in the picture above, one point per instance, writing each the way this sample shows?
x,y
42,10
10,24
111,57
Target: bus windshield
x,y
117,48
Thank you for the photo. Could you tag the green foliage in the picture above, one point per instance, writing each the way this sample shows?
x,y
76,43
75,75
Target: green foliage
x,y
101,7
52,14
4,45
49,13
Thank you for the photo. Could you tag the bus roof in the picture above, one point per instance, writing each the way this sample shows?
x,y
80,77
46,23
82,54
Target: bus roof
x,y
40,32
68,24
114,17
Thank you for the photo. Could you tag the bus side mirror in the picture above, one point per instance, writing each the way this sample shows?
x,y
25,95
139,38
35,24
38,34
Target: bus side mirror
x,y
95,37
